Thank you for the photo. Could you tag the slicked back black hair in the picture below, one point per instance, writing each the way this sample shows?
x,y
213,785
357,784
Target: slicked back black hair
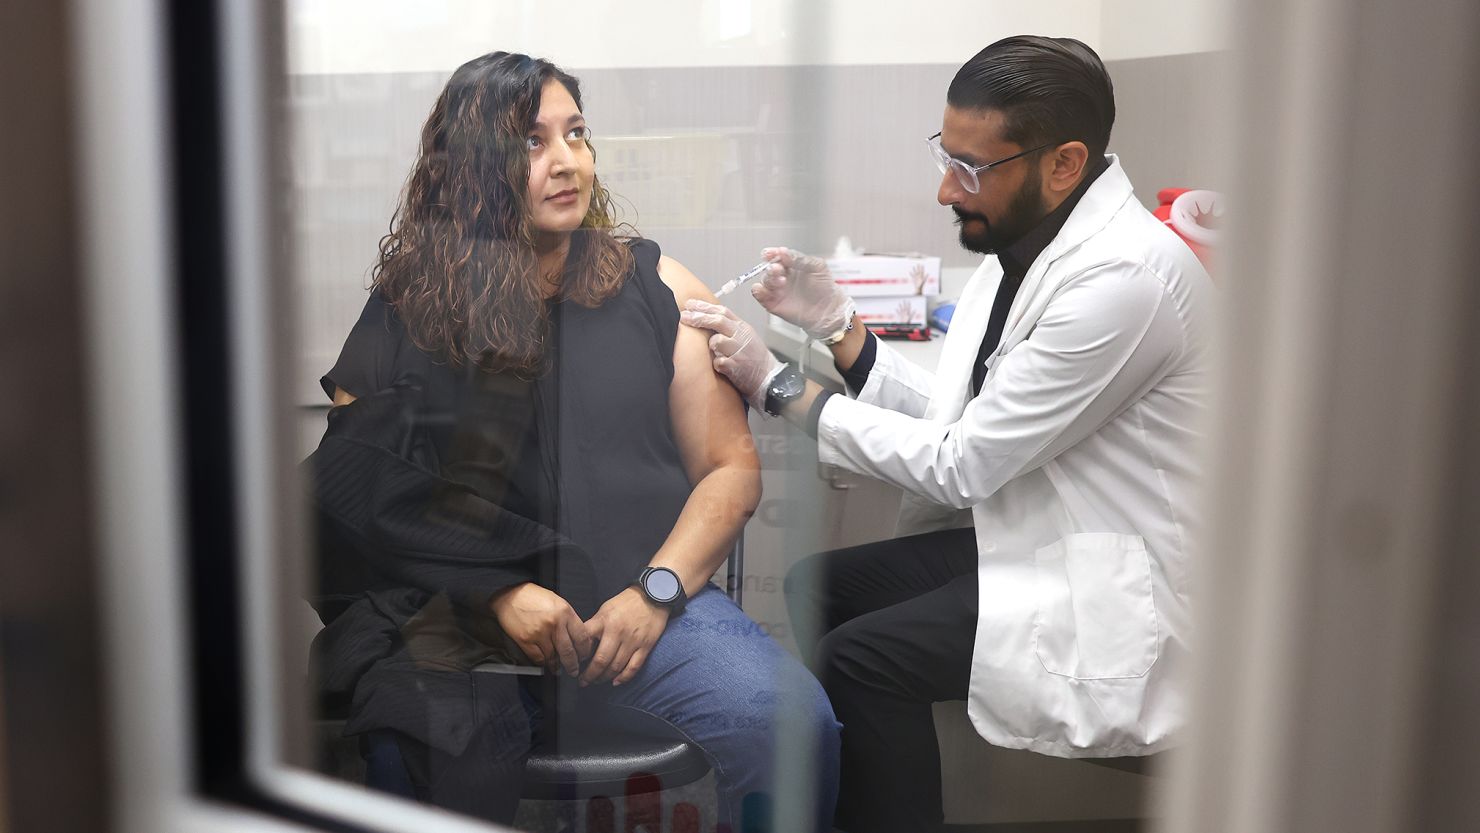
x,y
1047,89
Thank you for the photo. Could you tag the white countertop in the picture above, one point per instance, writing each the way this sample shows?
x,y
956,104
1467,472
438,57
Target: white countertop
x,y
819,363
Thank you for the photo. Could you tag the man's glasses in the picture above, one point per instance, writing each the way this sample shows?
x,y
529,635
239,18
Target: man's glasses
x,y
967,174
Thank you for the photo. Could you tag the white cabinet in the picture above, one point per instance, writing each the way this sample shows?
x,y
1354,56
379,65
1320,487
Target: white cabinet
x,y
803,510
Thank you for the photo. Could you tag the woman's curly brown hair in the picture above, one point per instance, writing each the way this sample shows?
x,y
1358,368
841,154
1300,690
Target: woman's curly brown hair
x,y
459,263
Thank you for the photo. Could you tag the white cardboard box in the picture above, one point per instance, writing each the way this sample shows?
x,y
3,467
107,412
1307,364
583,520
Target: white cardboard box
x,y
870,275
896,316
884,315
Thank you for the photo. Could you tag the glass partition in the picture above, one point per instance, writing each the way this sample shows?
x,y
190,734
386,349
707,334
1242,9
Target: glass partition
x,y
488,217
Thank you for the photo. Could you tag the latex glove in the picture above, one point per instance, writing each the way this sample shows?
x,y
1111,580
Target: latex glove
x,y
544,626
739,352
625,629
800,288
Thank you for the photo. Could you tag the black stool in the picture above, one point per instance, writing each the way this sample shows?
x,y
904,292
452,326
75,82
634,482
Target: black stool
x,y
632,754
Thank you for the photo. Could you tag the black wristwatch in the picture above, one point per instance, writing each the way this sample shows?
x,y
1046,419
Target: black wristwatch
x,y
784,387
663,587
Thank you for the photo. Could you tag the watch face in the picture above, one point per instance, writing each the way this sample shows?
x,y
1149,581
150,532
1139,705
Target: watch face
x,y
662,585
788,384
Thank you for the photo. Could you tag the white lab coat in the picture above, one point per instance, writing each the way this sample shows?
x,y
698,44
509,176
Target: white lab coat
x,y
1079,462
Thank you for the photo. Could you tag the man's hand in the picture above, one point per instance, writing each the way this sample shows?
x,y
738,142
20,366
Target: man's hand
x,y
800,288
738,350
625,628
544,626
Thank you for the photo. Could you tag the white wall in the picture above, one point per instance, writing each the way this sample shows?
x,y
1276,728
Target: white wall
x,y
946,31
1149,28
354,36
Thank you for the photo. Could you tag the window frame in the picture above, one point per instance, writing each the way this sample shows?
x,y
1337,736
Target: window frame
x,y
179,153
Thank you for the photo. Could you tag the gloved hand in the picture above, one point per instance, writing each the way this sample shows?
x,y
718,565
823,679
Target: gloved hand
x,y
800,288
739,352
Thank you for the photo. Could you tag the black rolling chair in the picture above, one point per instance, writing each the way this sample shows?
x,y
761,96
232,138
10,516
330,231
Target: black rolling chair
x,y
610,755
632,755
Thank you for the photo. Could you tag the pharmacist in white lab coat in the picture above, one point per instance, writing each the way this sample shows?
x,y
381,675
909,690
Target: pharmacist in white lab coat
x,y
1050,463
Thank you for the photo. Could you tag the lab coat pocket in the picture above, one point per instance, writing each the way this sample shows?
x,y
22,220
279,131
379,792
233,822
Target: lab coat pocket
x,y
1096,618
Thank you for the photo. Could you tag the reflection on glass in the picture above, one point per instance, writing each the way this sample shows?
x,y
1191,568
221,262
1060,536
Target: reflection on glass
x,y
527,440
530,476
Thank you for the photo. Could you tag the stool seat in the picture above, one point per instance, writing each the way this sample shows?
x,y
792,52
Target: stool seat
x,y
602,760
1142,765
599,754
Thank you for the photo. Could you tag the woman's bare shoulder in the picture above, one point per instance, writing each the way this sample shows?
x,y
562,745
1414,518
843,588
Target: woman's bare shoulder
x,y
683,283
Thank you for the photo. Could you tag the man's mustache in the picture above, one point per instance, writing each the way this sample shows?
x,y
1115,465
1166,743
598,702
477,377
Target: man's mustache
x,y
963,216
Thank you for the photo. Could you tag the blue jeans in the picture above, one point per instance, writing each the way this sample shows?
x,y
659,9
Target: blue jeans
x,y
724,684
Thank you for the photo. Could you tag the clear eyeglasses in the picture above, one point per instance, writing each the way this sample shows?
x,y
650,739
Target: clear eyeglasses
x,y
967,174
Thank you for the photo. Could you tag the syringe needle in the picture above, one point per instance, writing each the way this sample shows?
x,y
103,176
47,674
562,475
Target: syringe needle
x,y
735,283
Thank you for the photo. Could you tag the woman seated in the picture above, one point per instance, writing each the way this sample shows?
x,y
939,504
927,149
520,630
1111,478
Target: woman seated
x,y
550,376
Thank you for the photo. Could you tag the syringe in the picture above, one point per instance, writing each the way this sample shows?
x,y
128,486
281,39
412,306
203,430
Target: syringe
x,y
735,283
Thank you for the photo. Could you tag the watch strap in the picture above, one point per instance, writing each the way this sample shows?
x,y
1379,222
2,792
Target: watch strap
x,y
850,313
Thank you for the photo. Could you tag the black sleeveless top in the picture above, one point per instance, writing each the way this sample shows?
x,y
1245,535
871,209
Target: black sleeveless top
x,y
586,448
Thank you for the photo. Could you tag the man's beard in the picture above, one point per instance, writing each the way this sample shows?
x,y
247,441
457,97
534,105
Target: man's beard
x,y
1026,210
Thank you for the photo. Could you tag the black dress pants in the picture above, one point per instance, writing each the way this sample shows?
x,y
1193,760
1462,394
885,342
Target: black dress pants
x,y
889,628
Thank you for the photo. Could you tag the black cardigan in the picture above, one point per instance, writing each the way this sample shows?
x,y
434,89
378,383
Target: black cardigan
x,y
408,559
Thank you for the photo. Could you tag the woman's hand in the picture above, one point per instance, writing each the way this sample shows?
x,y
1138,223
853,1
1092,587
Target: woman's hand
x,y
544,626
625,628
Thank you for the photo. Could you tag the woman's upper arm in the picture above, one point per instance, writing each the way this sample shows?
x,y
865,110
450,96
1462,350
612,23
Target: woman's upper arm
x,y
367,362
707,413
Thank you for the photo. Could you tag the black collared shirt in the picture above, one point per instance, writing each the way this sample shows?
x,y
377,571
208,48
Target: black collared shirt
x,y
1016,260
